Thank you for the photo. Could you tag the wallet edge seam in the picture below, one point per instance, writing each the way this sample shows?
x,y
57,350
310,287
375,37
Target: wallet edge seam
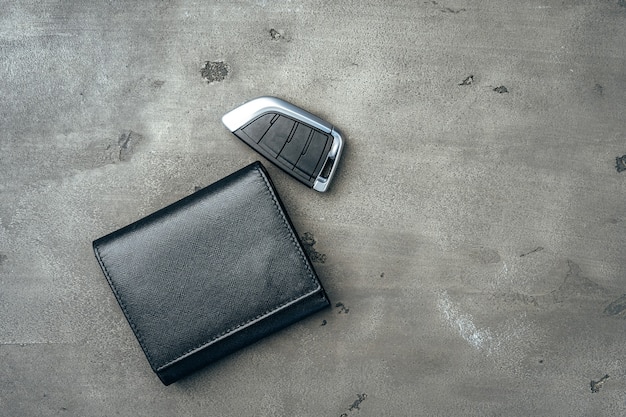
x,y
238,328
122,305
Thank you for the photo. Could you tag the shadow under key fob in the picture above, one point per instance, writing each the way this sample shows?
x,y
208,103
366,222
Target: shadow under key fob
x,y
300,143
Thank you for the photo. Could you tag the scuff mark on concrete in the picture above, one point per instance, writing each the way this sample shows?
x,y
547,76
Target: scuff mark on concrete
x,y
501,89
464,323
617,307
575,284
214,71
445,9
3,258
127,143
449,10
516,298
574,287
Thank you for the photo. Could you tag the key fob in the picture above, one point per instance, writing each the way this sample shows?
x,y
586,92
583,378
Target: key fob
x,y
303,145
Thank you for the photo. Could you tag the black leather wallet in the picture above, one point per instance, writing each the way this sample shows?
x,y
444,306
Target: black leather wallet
x,y
210,274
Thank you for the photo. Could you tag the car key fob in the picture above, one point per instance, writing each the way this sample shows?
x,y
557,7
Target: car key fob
x,y
303,145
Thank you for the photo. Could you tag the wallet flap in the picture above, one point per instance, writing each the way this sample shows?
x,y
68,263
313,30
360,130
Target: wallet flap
x,y
207,266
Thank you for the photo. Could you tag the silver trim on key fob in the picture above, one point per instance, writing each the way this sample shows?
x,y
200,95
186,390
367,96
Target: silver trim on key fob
x,y
248,112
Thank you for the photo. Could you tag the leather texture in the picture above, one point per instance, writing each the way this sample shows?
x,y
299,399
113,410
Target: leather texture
x,y
210,274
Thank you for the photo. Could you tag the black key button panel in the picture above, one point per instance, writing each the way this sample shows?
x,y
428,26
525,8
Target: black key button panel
x,y
296,147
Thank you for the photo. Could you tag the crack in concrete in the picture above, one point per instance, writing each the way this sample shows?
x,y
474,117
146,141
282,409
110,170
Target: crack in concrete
x,y
537,249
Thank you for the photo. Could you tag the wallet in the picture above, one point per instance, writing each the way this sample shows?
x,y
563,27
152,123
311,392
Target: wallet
x,y
210,274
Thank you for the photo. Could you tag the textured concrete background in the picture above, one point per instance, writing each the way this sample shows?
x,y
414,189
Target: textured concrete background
x,y
474,238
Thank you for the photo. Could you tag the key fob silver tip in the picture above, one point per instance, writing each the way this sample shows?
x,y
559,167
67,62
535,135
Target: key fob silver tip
x,y
300,143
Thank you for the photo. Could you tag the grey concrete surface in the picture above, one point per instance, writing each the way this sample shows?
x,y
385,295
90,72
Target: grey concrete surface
x,y
474,238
